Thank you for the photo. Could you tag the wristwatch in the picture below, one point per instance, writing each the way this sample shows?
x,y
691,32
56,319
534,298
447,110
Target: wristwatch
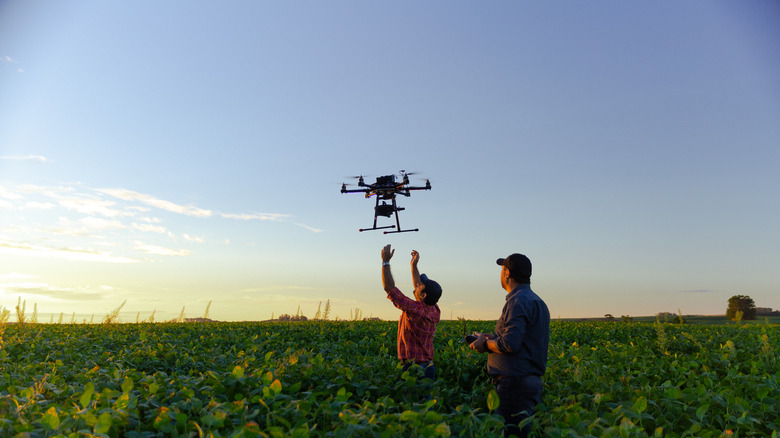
x,y
385,263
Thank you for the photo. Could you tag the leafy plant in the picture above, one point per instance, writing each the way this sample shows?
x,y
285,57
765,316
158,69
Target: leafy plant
x,y
326,378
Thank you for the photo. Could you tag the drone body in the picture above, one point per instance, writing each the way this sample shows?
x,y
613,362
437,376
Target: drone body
x,y
385,189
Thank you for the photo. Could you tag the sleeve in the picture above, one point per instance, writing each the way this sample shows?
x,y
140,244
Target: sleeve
x,y
510,339
402,302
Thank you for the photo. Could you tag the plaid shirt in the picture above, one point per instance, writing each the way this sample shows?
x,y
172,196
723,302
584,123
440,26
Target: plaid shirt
x,y
416,327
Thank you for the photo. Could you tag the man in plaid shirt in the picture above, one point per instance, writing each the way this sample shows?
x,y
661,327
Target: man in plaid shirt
x,y
419,317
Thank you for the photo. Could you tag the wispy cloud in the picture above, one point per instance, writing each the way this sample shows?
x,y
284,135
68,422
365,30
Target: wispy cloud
x,y
108,218
8,194
52,292
159,250
75,254
8,60
91,206
315,230
149,228
276,217
33,205
35,158
192,238
256,216
15,276
129,195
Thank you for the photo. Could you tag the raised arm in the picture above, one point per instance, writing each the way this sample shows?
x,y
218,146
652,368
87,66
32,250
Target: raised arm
x,y
387,277
415,272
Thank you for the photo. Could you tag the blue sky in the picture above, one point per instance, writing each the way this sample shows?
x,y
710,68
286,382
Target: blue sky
x,y
179,153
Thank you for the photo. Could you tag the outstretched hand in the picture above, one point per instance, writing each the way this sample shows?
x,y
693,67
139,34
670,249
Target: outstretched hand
x,y
415,257
387,253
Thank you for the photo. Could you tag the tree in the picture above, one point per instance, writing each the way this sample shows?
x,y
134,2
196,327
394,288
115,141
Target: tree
x,y
741,303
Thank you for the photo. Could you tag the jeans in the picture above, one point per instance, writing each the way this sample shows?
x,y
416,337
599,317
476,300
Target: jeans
x,y
517,396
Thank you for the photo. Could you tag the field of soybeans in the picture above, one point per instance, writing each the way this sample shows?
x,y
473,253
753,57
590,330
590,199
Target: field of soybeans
x,y
341,379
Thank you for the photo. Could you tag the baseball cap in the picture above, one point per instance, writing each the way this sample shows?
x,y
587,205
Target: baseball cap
x,y
518,264
432,290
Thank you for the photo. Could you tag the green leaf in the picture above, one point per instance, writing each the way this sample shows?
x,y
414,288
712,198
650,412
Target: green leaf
x,y
50,419
86,396
104,423
127,385
492,400
409,416
640,405
122,402
702,410
238,372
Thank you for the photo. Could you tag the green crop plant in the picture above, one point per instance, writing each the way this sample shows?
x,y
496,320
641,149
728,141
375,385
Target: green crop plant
x,y
328,379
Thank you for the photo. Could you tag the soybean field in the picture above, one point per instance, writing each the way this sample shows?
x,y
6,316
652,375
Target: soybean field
x,y
341,378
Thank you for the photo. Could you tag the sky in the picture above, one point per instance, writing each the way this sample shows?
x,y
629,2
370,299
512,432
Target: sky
x,y
163,156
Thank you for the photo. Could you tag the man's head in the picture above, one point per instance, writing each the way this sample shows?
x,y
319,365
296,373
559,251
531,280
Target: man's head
x,y
518,267
428,291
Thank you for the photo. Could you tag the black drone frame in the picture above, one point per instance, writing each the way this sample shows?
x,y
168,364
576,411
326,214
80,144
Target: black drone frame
x,y
385,189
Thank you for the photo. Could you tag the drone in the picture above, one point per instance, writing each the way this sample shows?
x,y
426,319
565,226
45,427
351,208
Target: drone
x,y
385,189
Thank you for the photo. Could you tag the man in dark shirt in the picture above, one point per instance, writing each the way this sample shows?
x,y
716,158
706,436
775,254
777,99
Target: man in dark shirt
x,y
517,351
419,317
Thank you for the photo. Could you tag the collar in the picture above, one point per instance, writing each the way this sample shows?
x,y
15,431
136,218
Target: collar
x,y
518,290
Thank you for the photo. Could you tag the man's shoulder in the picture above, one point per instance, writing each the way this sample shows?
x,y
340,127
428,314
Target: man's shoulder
x,y
524,299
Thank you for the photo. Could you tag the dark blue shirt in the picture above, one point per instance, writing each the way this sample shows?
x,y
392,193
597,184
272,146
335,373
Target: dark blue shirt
x,y
522,335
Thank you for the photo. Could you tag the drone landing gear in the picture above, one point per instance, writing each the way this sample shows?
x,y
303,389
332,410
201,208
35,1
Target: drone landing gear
x,y
388,210
388,232
401,231
379,228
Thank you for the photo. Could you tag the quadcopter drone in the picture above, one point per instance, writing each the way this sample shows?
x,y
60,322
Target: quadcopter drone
x,y
385,189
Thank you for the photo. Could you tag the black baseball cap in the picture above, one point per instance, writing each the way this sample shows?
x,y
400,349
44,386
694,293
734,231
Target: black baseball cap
x,y
518,264
432,290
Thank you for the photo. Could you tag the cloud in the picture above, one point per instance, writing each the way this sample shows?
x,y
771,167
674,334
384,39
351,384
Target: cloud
x,y
159,250
15,276
101,224
276,217
35,158
91,206
316,230
49,291
149,228
7,194
33,205
256,216
74,254
192,238
8,60
129,195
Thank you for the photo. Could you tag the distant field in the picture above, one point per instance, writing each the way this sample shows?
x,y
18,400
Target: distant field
x,y
691,319
341,379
